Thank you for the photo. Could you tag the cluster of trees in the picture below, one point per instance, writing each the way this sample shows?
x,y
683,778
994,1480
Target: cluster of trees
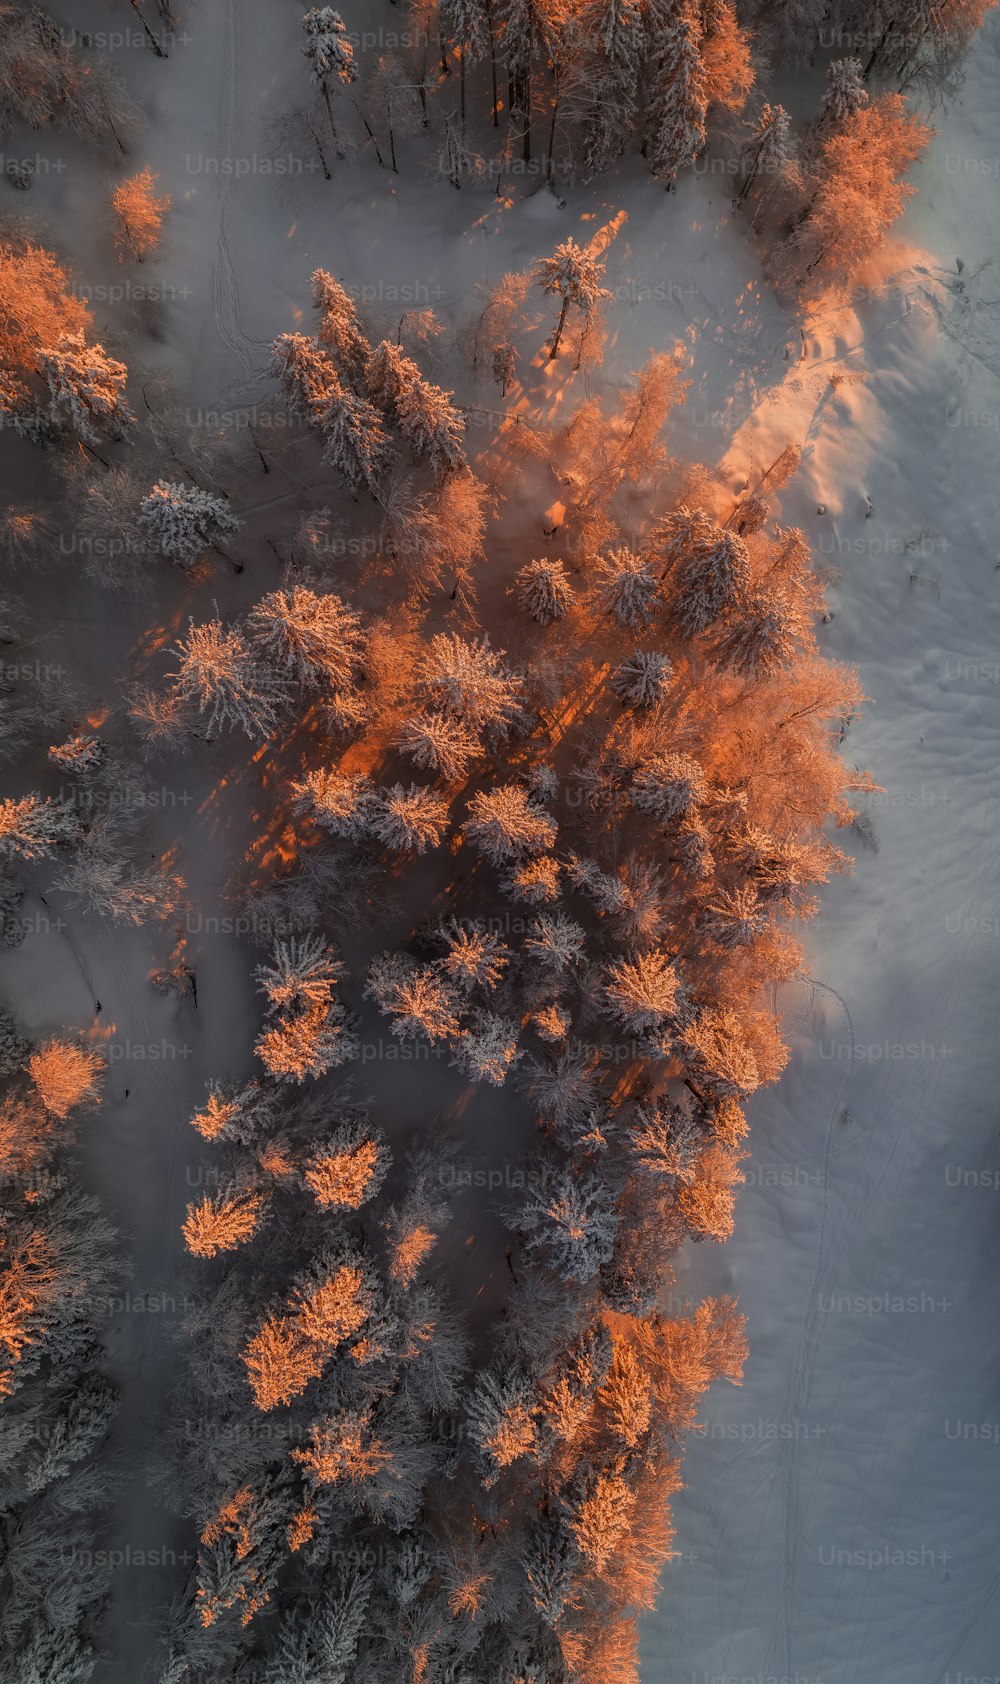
x,y
622,826
576,86
59,1267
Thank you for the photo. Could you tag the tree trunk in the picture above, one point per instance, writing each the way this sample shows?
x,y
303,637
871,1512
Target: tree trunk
x,y
371,133
552,133
493,63
150,37
461,83
879,46
525,96
327,101
559,328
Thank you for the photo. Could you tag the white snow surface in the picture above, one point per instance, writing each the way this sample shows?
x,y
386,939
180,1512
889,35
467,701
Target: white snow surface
x,y
839,1519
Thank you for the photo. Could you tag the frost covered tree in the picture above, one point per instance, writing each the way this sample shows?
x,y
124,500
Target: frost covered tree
x,y
424,413
355,441
108,884
32,827
354,438
605,81
858,192
394,97
340,332
221,676
311,637
503,365
555,941
221,1222
421,1002
86,390
468,681
504,824
680,96
487,1050
735,917
437,743
570,1222
302,973
183,520
317,1641
845,90
708,581
138,216
457,161
467,24
432,426
330,55
768,151
307,1043
474,958
725,56
668,786
627,588
643,679
501,1420
344,803
410,818
643,994
347,1168
544,591
574,274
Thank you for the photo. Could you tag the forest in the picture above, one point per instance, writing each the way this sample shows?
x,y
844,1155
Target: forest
x,y
518,758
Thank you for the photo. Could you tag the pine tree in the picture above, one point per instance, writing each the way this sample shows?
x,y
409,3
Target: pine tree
x,y
420,1001
501,1421
487,1050
219,673
858,194
709,581
469,682
571,1223
474,958
65,1075
312,637
725,56
432,426
318,1639
395,97
503,365
574,274
348,1168
79,756
504,824
183,520
438,743
609,81
343,803
555,941
309,1043
680,95
643,993
845,92
668,786
33,827
735,918
627,588
544,591
221,1222
355,441
644,679
303,973
768,152
138,216
410,819
340,332
86,390
330,55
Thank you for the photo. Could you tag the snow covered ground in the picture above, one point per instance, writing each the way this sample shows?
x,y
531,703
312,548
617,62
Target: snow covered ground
x,y
839,1515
